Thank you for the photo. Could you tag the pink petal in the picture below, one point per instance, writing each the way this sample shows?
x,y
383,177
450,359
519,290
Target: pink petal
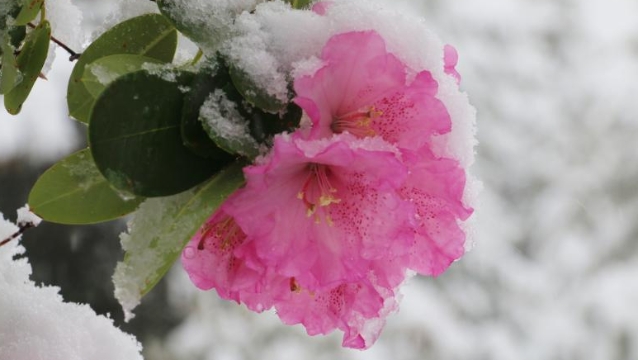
x,y
358,309
211,261
321,7
435,186
450,60
410,116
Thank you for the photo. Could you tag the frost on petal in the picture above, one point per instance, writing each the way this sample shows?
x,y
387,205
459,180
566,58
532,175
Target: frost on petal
x,y
435,187
363,89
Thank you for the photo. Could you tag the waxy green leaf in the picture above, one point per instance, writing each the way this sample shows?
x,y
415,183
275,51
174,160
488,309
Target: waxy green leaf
x,y
9,73
135,139
30,62
74,192
101,72
150,35
193,134
29,11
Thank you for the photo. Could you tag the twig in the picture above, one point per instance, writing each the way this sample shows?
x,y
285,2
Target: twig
x,y
74,56
23,227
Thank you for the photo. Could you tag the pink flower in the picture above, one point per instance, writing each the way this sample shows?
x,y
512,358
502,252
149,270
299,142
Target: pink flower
x,y
332,218
320,231
363,89
320,210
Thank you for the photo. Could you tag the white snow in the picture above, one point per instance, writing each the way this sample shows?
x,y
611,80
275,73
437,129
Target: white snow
x,y
35,322
221,118
26,217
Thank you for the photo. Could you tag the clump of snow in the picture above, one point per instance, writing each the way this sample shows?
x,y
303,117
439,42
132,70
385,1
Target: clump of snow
x,y
223,121
26,217
148,241
35,322
208,22
65,19
121,10
165,71
103,74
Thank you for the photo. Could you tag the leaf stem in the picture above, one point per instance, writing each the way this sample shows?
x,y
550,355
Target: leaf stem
x,y
74,56
197,57
43,13
22,228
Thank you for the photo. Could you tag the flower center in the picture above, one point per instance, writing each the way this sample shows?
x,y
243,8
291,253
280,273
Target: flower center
x,y
357,123
317,191
224,233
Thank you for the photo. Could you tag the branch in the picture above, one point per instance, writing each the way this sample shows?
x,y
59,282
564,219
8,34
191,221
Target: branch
x,y
74,55
21,229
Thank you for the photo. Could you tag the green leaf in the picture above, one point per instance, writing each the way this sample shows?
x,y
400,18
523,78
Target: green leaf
x,y
161,229
254,94
135,139
98,74
200,29
9,73
299,4
193,134
74,192
30,63
29,11
150,35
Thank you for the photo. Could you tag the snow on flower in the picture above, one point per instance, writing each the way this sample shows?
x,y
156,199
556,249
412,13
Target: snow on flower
x,y
333,217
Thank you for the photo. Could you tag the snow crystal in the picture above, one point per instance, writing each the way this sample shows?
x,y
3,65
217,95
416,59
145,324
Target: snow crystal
x,y
146,243
35,323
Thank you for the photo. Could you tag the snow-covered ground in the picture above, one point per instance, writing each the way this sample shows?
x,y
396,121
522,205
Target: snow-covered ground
x,y
553,271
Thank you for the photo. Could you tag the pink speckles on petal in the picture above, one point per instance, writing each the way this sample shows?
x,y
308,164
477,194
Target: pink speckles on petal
x,y
435,187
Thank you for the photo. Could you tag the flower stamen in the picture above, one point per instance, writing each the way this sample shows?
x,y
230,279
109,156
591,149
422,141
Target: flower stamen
x,y
317,191
357,123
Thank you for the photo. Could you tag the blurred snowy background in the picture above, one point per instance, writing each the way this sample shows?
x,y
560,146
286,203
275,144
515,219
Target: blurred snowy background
x,y
554,271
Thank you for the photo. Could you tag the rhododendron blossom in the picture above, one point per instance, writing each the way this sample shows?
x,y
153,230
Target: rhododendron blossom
x,y
363,89
335,214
